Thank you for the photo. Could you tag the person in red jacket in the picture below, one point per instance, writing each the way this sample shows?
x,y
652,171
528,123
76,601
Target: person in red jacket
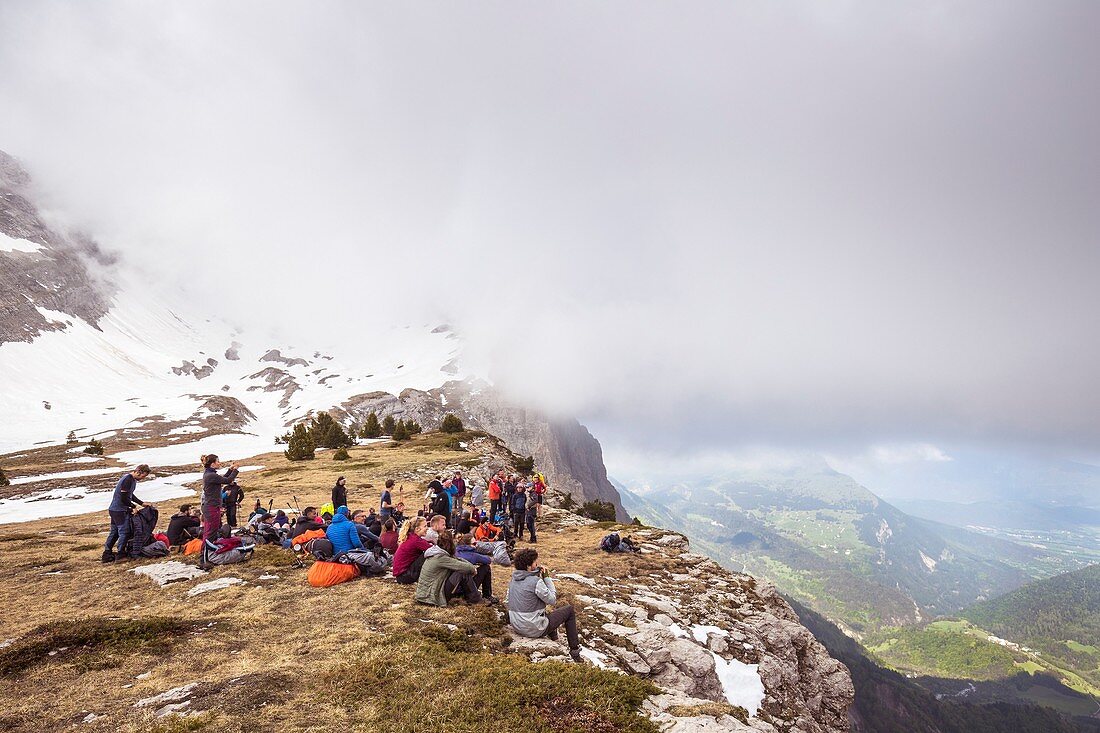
x,y
409,557
494,497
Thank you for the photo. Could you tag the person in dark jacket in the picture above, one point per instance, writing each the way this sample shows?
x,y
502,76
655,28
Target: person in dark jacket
x,y
340,493
183,526
212,483
483,576
232,496
342,534
464,525
367,537
518,506
307,522
122,505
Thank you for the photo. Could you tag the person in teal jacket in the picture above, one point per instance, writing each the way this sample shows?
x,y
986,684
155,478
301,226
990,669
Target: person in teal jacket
x,y
343,534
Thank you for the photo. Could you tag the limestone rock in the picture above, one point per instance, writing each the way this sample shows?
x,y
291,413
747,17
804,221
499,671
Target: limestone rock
x,y
170,571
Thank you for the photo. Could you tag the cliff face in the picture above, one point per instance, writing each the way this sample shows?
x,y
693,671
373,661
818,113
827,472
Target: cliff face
x,y
562,449
41,267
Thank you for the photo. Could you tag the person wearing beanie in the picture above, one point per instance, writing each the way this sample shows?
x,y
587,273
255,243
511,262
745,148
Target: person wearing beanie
x,y
342,533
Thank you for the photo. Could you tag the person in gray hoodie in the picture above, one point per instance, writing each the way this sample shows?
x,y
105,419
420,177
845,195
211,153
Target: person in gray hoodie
x,y
529,593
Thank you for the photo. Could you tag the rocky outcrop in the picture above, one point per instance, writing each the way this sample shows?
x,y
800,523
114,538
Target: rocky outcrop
x,y
57,276
274,355
563,449
727,651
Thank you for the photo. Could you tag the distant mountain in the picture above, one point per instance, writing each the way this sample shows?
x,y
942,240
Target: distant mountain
x,y
87,347
1059,616
888,702
829,542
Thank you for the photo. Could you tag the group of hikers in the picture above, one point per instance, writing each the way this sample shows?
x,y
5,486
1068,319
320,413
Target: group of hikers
x,y
446,549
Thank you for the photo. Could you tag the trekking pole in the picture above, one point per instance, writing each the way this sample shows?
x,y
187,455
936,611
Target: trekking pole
x,y
296,504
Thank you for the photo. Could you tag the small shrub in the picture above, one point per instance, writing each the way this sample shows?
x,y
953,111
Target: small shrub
x,y
94,448
71,437
4,481
716,709
601,511
341,454
87,635
524,465
453,444
451,424
568,502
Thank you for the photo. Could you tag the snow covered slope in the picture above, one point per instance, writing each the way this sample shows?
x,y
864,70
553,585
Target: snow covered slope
x,y
146,362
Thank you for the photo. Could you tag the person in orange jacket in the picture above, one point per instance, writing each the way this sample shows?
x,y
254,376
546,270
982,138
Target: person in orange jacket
x,y
494,497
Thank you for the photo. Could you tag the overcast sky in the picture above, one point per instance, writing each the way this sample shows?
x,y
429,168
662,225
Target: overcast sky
x,y
813,225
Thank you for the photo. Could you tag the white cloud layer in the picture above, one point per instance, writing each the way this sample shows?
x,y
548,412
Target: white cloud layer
x,y
788,224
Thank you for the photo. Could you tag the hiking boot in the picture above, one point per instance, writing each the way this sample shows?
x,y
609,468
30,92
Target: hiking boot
x,y
552,634
575,654
491,600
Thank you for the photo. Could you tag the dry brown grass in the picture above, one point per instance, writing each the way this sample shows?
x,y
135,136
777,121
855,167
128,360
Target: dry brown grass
x,y
267,650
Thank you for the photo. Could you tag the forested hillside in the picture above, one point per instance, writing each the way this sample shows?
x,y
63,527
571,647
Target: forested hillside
x,y
1059,616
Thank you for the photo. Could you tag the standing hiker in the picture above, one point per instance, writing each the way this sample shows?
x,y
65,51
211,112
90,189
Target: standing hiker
x,y
122,505
339,494
232,496
212,483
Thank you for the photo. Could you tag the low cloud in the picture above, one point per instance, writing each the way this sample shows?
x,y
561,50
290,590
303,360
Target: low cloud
x,y
724,225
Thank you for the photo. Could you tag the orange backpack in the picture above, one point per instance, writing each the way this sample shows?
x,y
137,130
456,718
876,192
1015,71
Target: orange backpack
x,y
301,540
194,547
327,574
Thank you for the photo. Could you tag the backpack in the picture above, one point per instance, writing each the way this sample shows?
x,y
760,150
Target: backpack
x,y
155,549
142,524
303,539
194,547
610,543
320,548
368,563
327,574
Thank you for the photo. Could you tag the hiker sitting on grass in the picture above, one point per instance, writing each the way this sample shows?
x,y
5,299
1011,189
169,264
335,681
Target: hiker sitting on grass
x,y
409,558
437,525
444,576
183,526
483,575
388,539
307,522
360,519
343,534
529,593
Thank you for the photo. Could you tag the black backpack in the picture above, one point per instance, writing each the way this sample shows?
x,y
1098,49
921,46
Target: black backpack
x,y
610,543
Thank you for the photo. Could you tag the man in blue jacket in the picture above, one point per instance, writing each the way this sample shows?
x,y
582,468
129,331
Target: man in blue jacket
x,y
343,534
122,505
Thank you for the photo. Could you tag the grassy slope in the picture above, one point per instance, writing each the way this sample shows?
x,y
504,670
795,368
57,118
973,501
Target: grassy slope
x,y
277,654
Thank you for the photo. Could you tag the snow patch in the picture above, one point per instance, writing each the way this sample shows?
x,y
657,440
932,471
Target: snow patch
x,y
11,244
741,683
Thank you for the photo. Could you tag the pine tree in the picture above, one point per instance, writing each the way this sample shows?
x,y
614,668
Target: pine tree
x,y
371,428
451,424
341,454
4,478
71,437
300,447
414,428
327,433
401,431
388,425
94,448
